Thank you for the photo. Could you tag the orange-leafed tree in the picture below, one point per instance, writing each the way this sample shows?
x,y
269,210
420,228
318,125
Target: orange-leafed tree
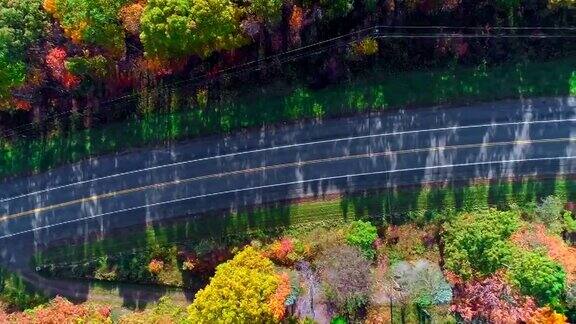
x,y
537,236
545,315
59,311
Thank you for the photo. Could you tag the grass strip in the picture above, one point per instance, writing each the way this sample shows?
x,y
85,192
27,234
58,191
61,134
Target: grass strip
x,y
397,206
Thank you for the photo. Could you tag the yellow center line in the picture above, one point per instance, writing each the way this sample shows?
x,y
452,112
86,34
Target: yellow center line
x,y
274,167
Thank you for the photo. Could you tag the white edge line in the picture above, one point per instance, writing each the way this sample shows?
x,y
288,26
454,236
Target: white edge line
x,y
284,184
283,147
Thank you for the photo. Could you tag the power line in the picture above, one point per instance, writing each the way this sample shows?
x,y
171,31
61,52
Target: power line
x,y
315,48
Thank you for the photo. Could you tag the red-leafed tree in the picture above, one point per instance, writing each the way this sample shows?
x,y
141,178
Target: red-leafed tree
x,y
491,299
55,61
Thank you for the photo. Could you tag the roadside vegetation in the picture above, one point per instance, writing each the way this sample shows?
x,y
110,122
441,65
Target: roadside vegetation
x,y
513,264
379,257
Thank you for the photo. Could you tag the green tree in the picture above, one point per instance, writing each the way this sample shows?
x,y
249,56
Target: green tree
x,y
12,74
178,28
362,235
267,10
22,23
477,243
239,292
537,275
93,21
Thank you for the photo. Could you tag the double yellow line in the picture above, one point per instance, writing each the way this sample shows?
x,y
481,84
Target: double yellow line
x,y
95,198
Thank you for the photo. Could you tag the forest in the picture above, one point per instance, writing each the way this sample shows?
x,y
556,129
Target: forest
x,y
62,56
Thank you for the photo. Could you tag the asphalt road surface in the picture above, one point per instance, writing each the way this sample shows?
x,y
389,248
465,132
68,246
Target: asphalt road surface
x,y
314,158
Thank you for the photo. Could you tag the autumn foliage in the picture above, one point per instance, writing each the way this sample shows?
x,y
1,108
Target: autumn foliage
x,y
545,315
280,250
277,299
537,236
244,289
155,266
491,298
60,311
55,61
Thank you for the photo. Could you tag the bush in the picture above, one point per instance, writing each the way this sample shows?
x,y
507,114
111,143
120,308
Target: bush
x,y
550,213
476,244
491,299
165,311
362,235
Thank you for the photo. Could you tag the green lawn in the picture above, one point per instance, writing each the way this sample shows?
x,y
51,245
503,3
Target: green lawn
x,y
397,206
372,91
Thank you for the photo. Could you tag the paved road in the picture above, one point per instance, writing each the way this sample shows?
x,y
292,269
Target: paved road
x,y
315,158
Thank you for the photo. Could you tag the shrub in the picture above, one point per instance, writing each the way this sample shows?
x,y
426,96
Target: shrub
x,y
550,213
478,243
281,250
366,47
278,299
536,237
537,275
16,293
165,311
60,310
362,235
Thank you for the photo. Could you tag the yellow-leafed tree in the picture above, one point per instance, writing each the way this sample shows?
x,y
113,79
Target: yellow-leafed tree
x,y
241,291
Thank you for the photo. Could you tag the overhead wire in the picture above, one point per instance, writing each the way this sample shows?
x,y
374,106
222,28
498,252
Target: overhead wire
x,y
315,48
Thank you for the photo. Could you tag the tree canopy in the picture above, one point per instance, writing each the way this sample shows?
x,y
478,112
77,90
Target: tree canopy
x,y
241,291
92,21
537,275
477,244
177,28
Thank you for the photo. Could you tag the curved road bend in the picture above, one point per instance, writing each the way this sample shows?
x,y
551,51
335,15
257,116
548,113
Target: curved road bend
x,y
315,158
